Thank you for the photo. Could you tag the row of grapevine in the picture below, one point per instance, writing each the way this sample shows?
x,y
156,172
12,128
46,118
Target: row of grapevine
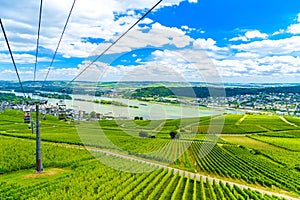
x,y
93,180
235,162
18,154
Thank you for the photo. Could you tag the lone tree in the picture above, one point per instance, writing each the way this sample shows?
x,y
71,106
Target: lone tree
x,y
143,134
138,118
174,135
93,114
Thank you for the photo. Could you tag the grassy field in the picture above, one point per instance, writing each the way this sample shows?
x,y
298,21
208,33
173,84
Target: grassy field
x,y
249,151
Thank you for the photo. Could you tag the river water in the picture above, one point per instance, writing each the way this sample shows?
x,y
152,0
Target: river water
x,y
147,110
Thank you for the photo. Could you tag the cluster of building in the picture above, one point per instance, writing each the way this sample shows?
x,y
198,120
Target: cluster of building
x,y
280,103
59,111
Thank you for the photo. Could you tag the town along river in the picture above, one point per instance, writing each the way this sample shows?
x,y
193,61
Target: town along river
x,y
132,108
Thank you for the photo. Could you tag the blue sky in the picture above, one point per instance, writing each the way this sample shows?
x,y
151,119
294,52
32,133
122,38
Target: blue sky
x,y
207,40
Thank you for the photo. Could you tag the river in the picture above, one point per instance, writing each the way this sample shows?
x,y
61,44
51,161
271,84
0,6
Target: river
x,y
147,110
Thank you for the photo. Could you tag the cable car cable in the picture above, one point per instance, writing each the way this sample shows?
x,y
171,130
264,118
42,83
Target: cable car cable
x,y
12,58
112,44
67,21
38,40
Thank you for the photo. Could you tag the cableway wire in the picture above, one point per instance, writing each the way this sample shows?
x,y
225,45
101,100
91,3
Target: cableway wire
x,y
111,45
12,58
46,77
38,40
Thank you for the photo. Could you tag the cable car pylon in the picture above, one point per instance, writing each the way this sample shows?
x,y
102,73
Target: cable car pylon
x,y
39,161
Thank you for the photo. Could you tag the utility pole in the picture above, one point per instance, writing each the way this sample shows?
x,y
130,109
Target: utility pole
x,y
39,163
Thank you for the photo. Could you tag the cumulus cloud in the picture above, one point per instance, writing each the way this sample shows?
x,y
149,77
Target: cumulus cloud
x,y
89,19
246,55
239,38
21,58
255,34
267,58
250,35
208,44
265,47
25,74
278,32
179,54
161,65
294,29
155,36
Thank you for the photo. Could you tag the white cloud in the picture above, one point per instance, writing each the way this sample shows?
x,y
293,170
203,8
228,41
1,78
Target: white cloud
x,y
22,58
187,29
192,59
246,55
161,65
147,21
266,47
250,35
89,19
267,66
278,32
207,44
156,36
255,34
294,29
242,38
56,74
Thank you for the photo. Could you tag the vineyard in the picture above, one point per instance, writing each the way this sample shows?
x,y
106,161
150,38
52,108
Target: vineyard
x,y
251,154
89,179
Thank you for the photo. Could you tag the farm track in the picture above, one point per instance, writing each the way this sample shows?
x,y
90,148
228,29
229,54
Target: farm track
x,y
286,121
264,128
197,123
159,126
241,120
180,171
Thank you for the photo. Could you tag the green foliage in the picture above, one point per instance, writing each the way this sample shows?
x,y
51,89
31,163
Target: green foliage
x,y
143,134
285,134
269,152
138,118
174,135
55,96
17,154
111,102
90,179
240,163
93,114
295,120
292,144
160,91
12,98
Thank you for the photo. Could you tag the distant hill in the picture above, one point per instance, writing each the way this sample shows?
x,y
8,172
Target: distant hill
x,y
204,92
